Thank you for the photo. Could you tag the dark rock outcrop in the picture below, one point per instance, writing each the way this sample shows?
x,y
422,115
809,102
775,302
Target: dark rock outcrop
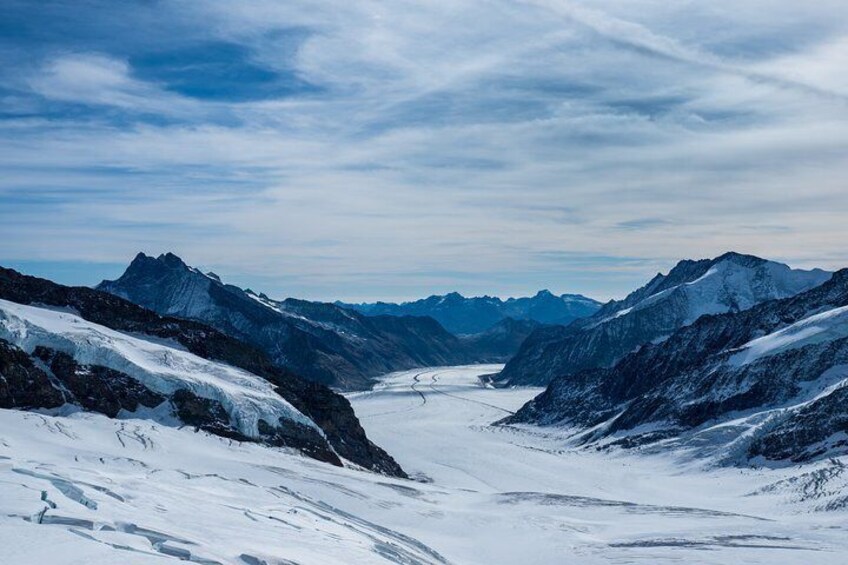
x,y
814,431
96,388
99,389
23,385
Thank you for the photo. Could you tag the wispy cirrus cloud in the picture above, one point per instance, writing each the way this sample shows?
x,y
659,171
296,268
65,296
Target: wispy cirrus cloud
x,y
95,79
389,149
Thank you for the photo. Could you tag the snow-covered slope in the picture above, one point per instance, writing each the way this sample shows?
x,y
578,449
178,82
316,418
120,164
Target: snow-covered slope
x,y
160,366
87,489
33,379
766,384
729,283
825,326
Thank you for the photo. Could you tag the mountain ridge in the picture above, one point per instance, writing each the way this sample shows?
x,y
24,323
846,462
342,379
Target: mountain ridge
x,y
777,372
330,411
319,340
470,315
729,282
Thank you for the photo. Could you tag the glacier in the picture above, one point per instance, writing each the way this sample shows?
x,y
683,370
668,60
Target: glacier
x,y
82,488
162,366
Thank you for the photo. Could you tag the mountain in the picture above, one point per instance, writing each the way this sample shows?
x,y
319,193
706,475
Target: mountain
x,y
730,283
320,341
77,347
766,385
500,342
461,315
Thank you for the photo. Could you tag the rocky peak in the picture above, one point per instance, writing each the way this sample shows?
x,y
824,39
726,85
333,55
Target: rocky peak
x,y
144,264
172,261
740,259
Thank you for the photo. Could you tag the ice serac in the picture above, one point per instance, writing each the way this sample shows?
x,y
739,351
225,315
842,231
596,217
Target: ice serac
x,y
473,315
72,345
323,342
730,283
767,384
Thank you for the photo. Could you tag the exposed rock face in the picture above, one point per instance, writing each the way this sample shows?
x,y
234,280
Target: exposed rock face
x,y
209,415
22,384
320,341
729,283
778,369
816,430
463,316
25,385
96,388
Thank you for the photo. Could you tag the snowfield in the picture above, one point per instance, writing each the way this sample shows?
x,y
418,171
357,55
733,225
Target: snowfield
x,y
818,328
82,488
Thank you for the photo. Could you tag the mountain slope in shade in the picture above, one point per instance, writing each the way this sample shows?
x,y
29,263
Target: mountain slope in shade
x,y
500,342
107,355
461,315
320,341
767,384
729,283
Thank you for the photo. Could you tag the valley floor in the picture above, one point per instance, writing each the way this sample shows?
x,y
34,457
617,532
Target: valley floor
x,y
86,489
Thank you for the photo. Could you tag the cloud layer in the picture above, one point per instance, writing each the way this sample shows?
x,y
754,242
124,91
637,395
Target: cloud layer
x,y
361,150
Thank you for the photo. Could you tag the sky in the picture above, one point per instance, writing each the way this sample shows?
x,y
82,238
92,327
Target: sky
x,y
362,150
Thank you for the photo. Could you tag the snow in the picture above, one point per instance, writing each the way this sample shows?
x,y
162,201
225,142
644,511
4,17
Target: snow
x,y
819,328
728,285
247,398
483,495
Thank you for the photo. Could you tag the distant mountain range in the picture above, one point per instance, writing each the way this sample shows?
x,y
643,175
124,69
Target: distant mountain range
x,y
321,341
461,315
736,356
763,383
730,283
73,348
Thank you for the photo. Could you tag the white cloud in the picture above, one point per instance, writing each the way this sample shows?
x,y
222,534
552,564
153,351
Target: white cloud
x,y
494,140
97,79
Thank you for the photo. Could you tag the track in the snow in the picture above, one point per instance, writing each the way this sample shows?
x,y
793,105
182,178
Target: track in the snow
x,y
410,409
434,379
421,394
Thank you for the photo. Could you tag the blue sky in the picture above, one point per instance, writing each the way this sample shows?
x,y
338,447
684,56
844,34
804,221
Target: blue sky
x,y
362,150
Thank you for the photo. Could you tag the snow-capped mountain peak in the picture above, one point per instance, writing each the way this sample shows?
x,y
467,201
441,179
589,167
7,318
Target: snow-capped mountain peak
x,y
732,282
